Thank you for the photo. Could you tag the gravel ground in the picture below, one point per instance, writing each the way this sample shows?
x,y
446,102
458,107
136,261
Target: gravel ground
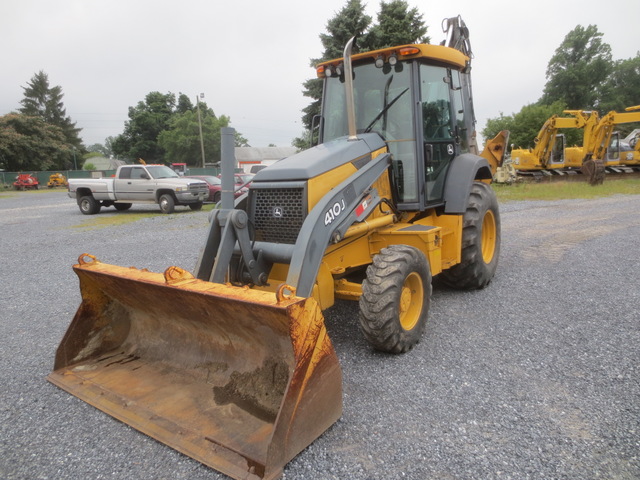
x,y
535,377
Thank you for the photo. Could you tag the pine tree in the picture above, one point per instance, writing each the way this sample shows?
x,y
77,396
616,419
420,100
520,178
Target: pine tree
x,y
45,102
397,25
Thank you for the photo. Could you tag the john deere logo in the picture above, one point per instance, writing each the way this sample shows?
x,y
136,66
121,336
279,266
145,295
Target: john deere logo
x,y
278,212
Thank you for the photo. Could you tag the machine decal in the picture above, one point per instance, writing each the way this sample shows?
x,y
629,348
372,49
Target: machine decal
x,y
334,212
363,206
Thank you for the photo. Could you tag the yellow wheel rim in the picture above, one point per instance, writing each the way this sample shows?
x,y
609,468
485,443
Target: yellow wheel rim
x,y
488,236
411,301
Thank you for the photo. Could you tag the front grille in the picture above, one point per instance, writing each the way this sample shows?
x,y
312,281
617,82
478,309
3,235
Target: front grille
x,y
196,188
278,213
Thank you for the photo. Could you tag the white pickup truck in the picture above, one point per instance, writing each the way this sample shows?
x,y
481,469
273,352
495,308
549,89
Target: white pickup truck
x,y
138,184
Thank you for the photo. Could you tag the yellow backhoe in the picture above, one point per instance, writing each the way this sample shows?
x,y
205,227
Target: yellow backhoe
x,y
232,364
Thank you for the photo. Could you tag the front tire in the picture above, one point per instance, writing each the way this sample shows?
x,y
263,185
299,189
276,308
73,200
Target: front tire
x,y
89,205
396,296
480,241
195,206
167,203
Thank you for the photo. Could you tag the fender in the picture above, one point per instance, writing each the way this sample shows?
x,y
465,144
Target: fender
x,y
464,170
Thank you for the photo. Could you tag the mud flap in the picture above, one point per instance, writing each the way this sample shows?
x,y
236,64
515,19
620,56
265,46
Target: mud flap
x,y
238,379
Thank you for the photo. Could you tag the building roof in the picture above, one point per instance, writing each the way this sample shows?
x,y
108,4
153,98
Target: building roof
x,y
104,163
261,154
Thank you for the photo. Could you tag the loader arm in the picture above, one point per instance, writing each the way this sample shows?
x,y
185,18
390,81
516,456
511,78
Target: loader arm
x,y
229,240
321,224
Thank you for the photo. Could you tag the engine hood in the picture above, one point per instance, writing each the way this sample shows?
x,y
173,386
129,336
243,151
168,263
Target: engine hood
x,y
320,159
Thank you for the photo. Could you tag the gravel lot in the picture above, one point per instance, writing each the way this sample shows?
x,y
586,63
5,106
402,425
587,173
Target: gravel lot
x,y
535,377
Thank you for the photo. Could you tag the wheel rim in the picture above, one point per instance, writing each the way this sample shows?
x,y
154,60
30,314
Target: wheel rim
x,y
488,236
411,301
84,205
163,204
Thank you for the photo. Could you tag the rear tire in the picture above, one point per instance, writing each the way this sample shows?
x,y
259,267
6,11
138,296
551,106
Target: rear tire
x,y
89,205
395,300
121,207
167,203
480,241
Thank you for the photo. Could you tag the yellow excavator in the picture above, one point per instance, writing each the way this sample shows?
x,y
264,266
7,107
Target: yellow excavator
x,y
232,364
548,154
605,142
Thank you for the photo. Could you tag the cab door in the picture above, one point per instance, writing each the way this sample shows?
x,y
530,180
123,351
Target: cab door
x,y
442,119
134,184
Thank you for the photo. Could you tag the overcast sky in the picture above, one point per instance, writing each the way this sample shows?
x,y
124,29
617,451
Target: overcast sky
x,y
250,58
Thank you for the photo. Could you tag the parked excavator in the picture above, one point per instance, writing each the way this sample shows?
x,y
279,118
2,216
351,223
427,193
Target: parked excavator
x,y
605,143
232,364
548,154
630,148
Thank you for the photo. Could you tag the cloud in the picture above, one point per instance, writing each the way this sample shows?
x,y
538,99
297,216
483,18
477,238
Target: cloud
x,y
250,58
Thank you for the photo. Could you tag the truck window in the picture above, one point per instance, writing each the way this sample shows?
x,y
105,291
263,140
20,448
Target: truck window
x,y
125,172
138,173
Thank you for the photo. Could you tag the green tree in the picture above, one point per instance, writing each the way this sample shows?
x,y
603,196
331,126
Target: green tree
x,y
397,25
99,149
41,100
146,120
525,125
181,141
29,143
622,87
350,21
578,69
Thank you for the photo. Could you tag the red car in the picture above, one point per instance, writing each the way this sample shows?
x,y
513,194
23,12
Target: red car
x,y
215,187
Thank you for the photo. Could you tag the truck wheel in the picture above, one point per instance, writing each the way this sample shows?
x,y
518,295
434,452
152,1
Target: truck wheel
x,y
480,241
122,206
395,300
167,203
89,205
195,206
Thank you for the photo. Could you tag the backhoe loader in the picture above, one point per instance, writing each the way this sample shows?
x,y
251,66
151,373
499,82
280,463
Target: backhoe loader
x,y
232,364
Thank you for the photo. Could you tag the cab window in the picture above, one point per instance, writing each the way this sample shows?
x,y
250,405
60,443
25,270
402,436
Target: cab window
x,y
439,116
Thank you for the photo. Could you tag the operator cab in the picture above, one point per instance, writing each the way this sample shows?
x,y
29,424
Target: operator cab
x,y
424,140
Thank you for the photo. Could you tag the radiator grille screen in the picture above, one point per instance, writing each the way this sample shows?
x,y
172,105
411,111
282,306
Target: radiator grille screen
x,y
278,214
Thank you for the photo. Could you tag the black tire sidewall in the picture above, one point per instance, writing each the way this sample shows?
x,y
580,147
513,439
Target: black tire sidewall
x,y
167,203
473,272
88,205
380,300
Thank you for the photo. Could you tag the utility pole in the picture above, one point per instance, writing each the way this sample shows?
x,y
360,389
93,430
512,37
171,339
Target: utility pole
x,y
200,126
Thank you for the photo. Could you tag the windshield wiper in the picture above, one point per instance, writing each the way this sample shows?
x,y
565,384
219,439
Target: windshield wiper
x,y
384,110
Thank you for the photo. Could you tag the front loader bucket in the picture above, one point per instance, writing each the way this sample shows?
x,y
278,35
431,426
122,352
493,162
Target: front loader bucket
x,y
238,379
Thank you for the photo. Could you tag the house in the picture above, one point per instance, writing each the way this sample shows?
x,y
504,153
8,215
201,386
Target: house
x,y
248,157
103,163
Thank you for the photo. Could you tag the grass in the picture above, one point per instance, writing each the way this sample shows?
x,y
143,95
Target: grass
x,y
122,218
564,190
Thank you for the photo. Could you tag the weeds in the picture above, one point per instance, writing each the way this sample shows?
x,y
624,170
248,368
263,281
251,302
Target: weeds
x,y
563,190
